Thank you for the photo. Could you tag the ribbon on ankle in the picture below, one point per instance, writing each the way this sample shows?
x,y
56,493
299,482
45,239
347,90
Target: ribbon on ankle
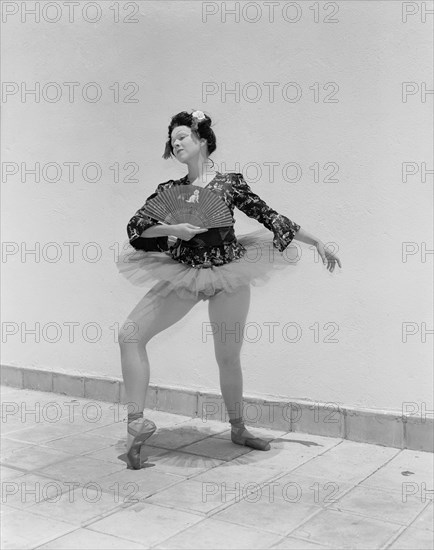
x,y
237,422
134,416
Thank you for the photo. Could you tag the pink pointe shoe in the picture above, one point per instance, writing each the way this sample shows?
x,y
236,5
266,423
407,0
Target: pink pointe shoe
x,y
248,441
141,431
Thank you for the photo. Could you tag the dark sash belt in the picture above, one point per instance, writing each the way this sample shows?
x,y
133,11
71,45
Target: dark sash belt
x,y
215,236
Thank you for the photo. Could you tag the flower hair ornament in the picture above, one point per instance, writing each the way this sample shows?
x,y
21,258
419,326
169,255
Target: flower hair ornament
x,y
197,117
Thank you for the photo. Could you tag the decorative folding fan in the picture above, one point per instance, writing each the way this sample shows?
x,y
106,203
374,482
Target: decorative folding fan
x,y
189,204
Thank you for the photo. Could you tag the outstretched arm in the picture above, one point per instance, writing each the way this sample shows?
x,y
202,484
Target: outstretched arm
x,y
284,229
329,259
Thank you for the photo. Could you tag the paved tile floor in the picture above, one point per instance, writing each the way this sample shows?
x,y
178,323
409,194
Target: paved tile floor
x,y
65,485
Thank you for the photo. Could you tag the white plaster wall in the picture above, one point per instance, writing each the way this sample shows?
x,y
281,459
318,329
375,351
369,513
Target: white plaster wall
x,y
369,132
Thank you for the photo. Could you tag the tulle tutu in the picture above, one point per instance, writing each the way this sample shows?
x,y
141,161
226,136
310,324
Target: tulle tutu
x,y
260,261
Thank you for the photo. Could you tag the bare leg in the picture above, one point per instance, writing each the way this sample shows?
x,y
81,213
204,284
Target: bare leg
x,y
153,314
229,312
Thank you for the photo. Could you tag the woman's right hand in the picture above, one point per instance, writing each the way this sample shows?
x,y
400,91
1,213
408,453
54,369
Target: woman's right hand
x,y
186,231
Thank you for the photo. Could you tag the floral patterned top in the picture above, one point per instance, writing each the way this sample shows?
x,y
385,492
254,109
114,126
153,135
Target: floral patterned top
x,y
234,191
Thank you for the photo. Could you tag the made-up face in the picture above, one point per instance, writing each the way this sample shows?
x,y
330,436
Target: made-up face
x,y
185,144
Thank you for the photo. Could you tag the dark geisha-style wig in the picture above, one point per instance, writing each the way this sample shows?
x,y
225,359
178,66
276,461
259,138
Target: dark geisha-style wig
x,y
200,125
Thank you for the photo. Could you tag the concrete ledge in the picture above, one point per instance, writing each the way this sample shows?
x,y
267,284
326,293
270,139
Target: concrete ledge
x,y
34,379
11,376
381,427
66,384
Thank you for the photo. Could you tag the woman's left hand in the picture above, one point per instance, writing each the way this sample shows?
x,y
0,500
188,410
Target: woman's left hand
x,y
329,259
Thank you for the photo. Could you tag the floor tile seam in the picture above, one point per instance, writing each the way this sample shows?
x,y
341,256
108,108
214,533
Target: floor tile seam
x,y
170,474
188,476
256,527
205,515
278,498
380,489
393,538
368,487
344,493
29,507
84,453
78,485
263,484
78,529
15,508
363,479
84,523
181,446
193,477
306,461
64,413
44,446
367,516
182,530
76,524
208,436
195,454
27,510
195,513
310,516
63,480
324,452
417,516
143,494
63,491
382,520
197,523
281,474
391,490
310,477
326,509
119,538
25,445
15,468
188,479
303,522
38,470
56,438
302,539
54,540
62,420
50,540
195,417
56,463
92,429
119,508
197,474
333,446
48,499
399,451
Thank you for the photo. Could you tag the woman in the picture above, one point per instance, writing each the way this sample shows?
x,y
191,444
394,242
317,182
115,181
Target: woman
x,y
203,264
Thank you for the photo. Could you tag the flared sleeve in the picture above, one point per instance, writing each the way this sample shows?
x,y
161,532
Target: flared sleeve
x,y
139,222
253,206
